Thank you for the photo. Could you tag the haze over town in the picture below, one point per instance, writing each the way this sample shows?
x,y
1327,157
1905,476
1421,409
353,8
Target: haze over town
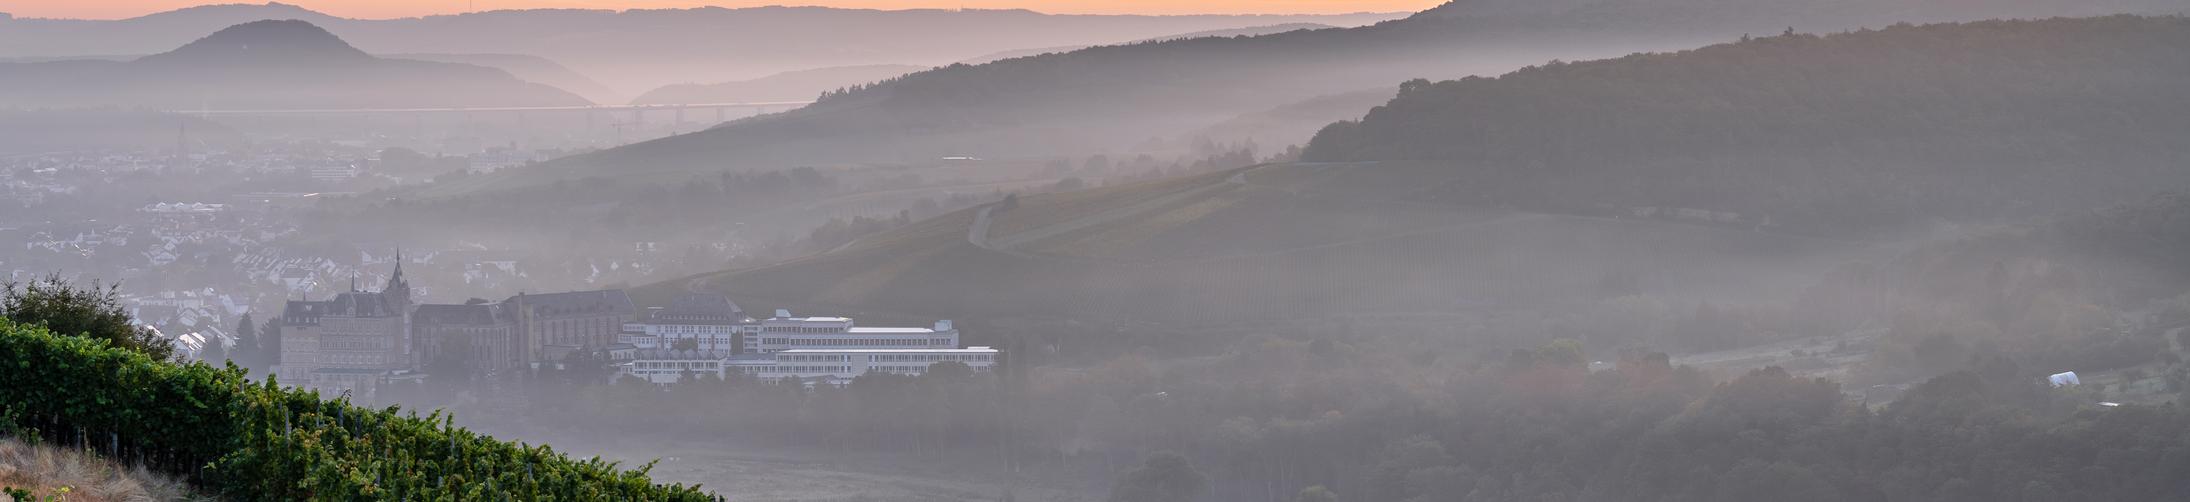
x,y
1075,251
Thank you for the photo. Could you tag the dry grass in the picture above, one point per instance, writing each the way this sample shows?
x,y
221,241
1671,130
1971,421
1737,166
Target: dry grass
x,y
45,470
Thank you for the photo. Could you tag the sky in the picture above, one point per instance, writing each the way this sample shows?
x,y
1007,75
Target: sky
x,y
380,9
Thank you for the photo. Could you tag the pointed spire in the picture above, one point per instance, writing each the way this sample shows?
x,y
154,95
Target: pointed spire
x,y
395,279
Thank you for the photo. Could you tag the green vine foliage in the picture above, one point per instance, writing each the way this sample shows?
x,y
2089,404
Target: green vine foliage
x,y
258,441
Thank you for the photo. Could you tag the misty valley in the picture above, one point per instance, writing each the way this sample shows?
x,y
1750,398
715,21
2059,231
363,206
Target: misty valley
x,y
1493,250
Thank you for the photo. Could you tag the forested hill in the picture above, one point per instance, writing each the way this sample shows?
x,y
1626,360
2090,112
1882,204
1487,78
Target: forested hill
x,y
1114,97
267,64
1986,120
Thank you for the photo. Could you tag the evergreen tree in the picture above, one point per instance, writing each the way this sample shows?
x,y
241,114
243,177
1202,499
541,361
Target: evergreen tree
x,y
215,351
270,342
246,351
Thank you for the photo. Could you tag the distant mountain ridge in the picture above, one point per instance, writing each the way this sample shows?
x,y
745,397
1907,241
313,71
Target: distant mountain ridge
x,y
806,84
1240,32
267,64
637,50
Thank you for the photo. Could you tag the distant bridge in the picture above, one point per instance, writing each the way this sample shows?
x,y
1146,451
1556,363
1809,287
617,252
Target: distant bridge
x,y
757,105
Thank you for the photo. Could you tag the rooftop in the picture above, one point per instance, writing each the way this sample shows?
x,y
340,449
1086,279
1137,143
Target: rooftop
x,y
693,305
887,330
821,319
481,314
612,301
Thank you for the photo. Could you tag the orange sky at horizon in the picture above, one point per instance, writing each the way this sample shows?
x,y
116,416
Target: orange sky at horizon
x,y
383,9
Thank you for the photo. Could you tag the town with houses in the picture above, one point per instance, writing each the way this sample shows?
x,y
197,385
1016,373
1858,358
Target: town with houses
x,y
205,239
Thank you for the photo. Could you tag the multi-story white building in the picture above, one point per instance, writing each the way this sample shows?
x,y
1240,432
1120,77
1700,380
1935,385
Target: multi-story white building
x,y
664,366
711,321
812,366
783,332
840,366
814,350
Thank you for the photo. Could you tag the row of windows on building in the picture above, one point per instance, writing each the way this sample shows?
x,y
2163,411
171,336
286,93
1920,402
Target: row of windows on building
x,y
929,358
344,379
804,369
903,370
857,342
353,345
581,331
698,336
677,365
364,359
813,358
672,368
801,329
692,317
688,328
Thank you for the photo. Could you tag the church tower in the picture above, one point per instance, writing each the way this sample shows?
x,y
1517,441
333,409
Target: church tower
x,y
398,290
398,295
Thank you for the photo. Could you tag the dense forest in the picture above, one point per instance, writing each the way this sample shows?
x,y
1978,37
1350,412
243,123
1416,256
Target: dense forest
x,y
1989,121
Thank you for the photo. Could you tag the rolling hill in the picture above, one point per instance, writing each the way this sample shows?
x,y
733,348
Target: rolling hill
x,y
267,65
799,85
639,49
1108,98
1980,122
533,69
1362,236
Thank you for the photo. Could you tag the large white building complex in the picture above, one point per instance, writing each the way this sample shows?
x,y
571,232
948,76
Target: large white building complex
x,y
814,350
783,332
